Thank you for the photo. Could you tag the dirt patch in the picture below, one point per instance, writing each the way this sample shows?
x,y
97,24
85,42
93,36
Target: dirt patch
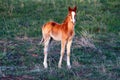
x,y
24,77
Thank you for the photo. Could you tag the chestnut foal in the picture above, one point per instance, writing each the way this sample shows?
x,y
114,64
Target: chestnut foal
x,y
63,32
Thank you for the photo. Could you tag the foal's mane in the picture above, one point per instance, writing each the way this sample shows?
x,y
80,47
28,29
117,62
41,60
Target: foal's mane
x,y
66,19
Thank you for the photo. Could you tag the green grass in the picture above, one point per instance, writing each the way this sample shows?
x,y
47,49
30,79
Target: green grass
x,y
20,32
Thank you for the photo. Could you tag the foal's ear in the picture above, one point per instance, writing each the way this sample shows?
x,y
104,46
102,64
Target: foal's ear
x,y
69,9
75,8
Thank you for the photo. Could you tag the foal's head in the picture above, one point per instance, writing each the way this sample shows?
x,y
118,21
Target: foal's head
x,y
72,14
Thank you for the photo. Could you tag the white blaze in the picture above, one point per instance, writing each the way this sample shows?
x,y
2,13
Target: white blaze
x,y
73,16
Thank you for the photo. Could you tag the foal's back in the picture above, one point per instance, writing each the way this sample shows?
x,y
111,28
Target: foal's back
x,y
53,30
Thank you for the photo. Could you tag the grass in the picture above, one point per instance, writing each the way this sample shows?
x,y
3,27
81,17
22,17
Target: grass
x,y
20,32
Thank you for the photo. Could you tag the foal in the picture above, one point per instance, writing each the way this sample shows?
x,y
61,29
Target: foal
x,y
63,32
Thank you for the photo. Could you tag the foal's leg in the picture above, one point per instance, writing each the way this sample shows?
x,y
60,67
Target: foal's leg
x,y
46,44
63,43
68,52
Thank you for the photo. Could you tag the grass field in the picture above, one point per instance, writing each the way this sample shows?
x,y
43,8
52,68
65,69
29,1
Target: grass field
x,y
21,57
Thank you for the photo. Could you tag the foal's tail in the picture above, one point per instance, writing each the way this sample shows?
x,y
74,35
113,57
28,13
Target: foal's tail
x,y
42,40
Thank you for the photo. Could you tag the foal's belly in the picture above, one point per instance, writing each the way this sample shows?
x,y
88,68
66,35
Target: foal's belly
x,y
56,37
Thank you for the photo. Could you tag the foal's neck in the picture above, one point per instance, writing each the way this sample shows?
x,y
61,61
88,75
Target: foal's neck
x,y
67,21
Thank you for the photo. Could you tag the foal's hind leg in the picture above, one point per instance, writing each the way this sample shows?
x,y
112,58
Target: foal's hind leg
x,y
46,44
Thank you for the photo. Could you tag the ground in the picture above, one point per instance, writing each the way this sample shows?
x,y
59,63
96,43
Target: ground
x,y
95,52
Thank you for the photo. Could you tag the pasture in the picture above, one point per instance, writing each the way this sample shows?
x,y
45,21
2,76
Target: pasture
x,y
95,51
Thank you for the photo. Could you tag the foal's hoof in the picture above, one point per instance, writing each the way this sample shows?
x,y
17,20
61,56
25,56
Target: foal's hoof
x,y
69,67
59,66
45,66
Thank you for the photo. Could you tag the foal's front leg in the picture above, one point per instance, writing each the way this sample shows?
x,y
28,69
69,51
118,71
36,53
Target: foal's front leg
x,y
63,43
68,52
